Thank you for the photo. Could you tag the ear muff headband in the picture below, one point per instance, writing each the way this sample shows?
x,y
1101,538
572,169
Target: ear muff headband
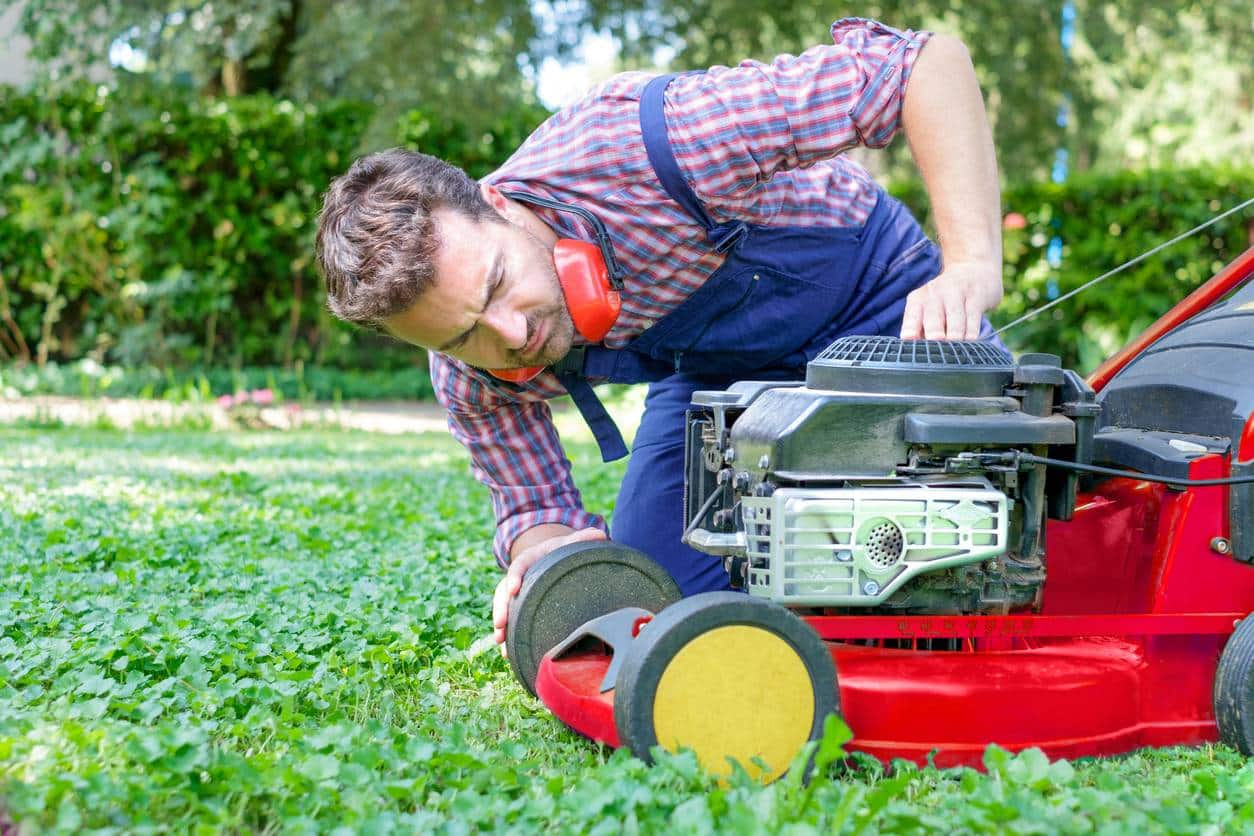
x,y
613,272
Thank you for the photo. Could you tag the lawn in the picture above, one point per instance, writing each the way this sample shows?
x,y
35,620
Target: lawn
x,y
258,631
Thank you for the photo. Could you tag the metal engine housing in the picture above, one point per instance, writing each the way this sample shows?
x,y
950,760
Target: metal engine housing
x,y
855,488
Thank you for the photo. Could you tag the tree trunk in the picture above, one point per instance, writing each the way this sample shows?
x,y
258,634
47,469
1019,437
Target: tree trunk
x,y
271,75
14,342
233,77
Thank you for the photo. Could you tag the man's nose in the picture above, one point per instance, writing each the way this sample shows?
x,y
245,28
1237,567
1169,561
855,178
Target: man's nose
x,y
510,326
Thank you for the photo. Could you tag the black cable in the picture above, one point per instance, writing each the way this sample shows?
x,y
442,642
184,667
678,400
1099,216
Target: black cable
x,y
705,509
1131,474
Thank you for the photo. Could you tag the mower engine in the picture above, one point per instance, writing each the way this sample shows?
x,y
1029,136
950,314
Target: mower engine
x,y
882,482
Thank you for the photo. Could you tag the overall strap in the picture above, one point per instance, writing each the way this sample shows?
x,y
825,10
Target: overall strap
x,y
597,361
609,439
611,364
658,146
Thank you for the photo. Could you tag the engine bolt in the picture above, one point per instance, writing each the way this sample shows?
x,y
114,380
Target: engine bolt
x,y
1220,545
764,462
729,455
871,588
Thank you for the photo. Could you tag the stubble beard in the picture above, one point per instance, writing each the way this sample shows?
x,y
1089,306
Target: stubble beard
x,y
557,317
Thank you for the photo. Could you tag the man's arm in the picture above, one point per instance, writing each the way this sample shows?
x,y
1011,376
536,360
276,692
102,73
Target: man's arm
x,y
946,126
515,451
735,128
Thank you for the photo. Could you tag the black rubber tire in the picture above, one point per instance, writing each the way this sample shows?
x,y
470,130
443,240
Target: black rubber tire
x,y
672,629
1234,689
573,585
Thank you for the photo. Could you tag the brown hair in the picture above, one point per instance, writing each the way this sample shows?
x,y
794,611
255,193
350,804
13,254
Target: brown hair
x,y
376,236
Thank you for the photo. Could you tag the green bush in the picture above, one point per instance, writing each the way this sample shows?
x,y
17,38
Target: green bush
x,y
1103,221
146,226
142,226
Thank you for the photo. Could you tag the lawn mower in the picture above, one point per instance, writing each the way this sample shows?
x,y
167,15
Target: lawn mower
x,y
945,546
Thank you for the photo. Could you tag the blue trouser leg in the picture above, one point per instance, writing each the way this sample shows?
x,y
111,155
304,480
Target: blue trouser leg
x,y
649,514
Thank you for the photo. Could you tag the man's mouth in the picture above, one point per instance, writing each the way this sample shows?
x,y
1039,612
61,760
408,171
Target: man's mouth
x,y
532,349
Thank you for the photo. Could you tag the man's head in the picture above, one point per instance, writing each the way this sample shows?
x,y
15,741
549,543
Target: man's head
x,y
410,245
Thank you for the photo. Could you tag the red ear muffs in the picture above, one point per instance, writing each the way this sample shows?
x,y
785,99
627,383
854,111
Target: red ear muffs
x,y
585,281
593,303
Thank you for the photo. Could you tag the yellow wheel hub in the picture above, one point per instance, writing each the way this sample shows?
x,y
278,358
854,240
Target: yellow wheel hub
x,y
736,692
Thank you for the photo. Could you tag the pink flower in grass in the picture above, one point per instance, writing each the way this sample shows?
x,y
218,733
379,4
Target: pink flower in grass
x,y
1014,220
226,401
262,397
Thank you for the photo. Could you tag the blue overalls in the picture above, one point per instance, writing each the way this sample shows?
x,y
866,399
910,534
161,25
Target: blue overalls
x,y
782,295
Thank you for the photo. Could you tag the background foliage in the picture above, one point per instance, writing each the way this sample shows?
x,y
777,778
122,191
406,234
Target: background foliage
x,y
142,228
1143,81
88,379
392,54
161,178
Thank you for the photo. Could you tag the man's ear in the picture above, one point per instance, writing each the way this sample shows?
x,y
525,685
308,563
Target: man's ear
x,y
502,204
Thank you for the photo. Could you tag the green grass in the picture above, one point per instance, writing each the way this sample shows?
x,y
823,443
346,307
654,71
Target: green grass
x,y
274,632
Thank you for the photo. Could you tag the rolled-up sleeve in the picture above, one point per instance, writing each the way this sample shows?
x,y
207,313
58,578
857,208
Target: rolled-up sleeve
x,y
514,450
735,127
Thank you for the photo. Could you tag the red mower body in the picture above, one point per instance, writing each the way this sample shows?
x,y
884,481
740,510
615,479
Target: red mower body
x,y
1143,590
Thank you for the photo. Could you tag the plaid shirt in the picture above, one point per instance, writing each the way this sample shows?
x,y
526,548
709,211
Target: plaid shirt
x,y
758,142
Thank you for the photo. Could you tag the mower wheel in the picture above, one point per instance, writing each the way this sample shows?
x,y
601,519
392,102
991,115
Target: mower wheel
x,y
730,677
1234,689
573,585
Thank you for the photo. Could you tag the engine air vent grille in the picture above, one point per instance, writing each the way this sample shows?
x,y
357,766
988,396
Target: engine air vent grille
x,y
820,546
888,365
894,352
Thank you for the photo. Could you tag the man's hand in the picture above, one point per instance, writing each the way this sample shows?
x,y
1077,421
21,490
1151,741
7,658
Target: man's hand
x,y
518,566
950,306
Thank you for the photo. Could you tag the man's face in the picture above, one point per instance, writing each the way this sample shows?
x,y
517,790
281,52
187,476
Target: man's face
x,y
496,302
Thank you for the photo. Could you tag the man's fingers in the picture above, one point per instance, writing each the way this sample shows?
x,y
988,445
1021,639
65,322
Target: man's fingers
x,y
951,306
975,318
587,534
912,321
934,318
955,314
514,577
509,585
508,588
500,606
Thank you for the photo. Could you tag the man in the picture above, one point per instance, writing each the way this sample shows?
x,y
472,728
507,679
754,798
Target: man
x,y
747,243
